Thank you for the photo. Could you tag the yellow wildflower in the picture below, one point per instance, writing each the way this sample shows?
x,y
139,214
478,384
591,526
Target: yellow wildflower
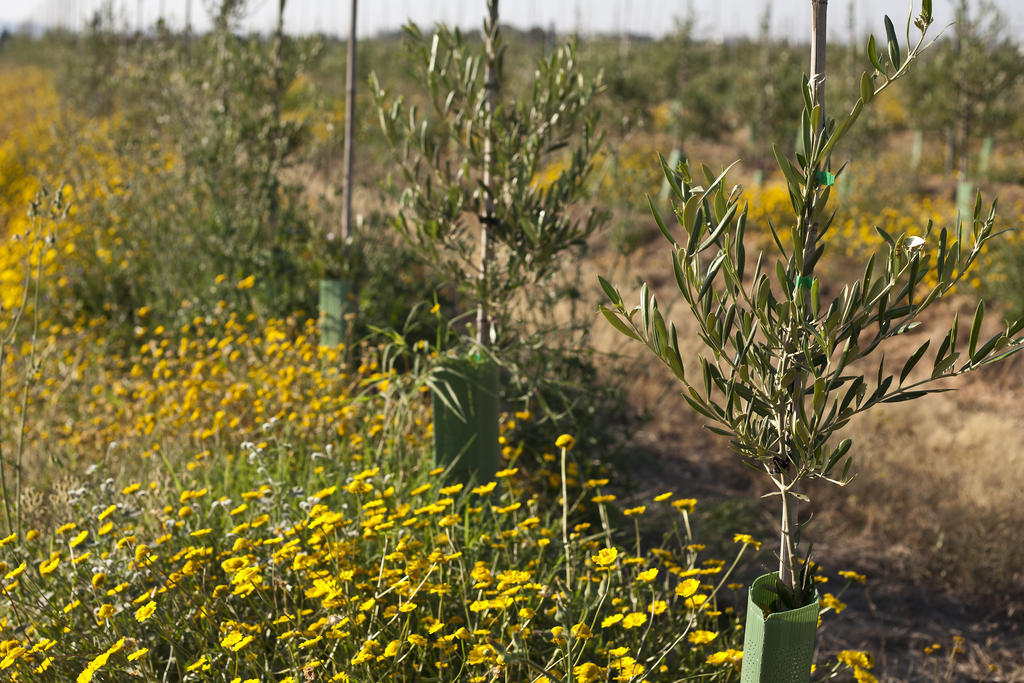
x,y
746,539
565,441
702,637
648,575
145,612
605,556
634,619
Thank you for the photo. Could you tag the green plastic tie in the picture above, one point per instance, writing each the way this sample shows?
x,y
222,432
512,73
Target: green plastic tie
x,y
826,178
804,282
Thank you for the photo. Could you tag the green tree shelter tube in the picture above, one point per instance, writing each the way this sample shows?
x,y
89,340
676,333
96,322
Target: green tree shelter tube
x,y
465,401
334,304
778,647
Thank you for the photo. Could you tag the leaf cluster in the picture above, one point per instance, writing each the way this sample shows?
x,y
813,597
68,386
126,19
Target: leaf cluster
x,y
440,153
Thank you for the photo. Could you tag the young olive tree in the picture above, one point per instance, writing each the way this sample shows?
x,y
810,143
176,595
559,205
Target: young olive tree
x,y
468,164
781,373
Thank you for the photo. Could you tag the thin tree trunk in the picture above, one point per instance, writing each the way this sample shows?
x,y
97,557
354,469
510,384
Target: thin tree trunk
x,y
279,61
350,112
188,31
819,10
789,527
272,184
961,136
483,321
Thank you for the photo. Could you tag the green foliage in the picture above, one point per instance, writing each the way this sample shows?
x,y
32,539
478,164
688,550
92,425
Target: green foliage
x,y
441,156
209,160
972,84
778,376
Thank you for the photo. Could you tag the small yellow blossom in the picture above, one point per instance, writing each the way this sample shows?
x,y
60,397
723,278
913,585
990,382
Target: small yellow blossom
x,y
588,672
634,619
145,612
702,637
746,539
853,576
685,504
730,656
829,600
648,575
855,658
605,557
687,587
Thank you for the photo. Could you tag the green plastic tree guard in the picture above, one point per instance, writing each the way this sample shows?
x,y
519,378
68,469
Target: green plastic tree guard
x,y
965,200
985,156
778,648
334,304
465,404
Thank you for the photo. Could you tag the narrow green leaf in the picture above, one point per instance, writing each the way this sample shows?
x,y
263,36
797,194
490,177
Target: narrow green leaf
x,y
885,235
660,334
719,229
719,203
677,269
617,323
709,176
842,449
912,361
910,395
894,43
610,291
806,132
778,241
843,127
867,88
786,167
846,471
675,358
979,315
994,344
699,407
780,275
741,255
719,431
709,278
873,55
806,92
660,222
706,371
820,394
670,176
944,364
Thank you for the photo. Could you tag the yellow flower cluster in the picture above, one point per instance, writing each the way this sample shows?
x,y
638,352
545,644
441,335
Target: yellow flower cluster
x,y
286,555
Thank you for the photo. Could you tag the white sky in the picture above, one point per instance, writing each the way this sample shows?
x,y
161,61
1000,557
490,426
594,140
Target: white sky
x,y
716,18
